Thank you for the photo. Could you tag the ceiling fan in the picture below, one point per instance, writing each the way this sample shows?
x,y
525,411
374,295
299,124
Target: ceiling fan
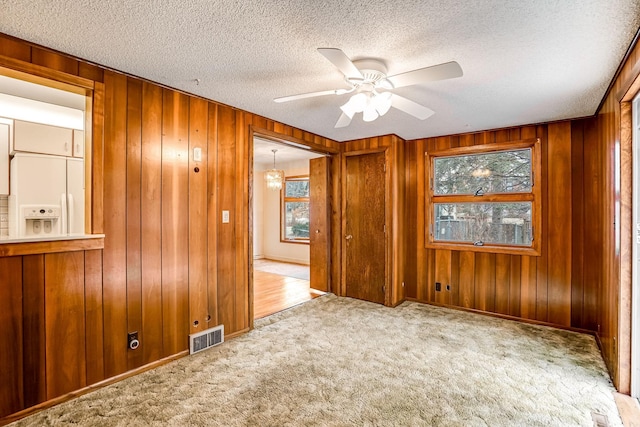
x,y
368,80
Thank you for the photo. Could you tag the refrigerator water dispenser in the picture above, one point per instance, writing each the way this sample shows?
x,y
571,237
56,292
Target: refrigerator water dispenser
x,y
40,220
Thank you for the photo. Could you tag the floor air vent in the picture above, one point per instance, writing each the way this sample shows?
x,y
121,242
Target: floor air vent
x,y
205,339
599,420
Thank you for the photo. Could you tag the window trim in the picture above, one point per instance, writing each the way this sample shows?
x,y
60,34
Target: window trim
x,y
535,197
283,201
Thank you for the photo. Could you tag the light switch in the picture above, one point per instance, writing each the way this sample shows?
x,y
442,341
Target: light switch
x,y
225,217
197,154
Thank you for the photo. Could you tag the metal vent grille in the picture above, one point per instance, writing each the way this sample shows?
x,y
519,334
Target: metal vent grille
x,y
205,339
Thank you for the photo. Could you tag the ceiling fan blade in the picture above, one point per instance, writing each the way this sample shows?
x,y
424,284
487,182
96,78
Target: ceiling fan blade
x,y
448,70
341,61
307,95
408,106
343,121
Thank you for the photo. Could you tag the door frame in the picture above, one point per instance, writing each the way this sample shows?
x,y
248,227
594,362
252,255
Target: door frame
x,y
280,138
387,219
635,250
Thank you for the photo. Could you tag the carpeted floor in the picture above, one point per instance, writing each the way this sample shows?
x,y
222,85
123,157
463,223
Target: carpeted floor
x,y
343,362
298,271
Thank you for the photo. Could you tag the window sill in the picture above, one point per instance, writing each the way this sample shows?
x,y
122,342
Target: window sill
x,y
297,242
496,249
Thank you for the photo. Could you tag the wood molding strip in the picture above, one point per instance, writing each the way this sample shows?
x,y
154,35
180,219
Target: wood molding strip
x,y
48,247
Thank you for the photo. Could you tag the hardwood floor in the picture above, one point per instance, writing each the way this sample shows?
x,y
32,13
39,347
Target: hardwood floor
x,y
273,293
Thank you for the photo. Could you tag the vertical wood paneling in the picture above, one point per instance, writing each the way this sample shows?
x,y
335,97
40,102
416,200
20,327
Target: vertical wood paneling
x,y
213,213
541,261
11,345
410,219
64,323
443,275
97,159
241,224
467,279
559,243
226,180
485,281
198,296
503,283
33,331
134,216
175,222
93,316
577,223
151,336
514,286
115,225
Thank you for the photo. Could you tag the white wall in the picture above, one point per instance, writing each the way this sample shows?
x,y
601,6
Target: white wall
x,y
266,230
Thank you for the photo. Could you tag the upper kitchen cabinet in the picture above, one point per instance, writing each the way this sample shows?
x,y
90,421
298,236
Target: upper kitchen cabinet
x,y
78,143
41,138
4,157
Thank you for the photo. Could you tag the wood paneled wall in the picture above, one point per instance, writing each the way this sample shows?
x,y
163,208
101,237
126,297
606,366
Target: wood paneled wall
x,y
550,288
169,267
610,131
50,311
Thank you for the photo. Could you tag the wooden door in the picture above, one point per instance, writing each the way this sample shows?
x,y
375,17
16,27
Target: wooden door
x,y
319,224
364,227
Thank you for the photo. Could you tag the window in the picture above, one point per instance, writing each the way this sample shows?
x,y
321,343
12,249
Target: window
x,y
485,198
295,210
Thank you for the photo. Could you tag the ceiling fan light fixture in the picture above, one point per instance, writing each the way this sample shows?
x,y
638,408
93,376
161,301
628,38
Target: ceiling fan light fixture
x,y
369,114
382,102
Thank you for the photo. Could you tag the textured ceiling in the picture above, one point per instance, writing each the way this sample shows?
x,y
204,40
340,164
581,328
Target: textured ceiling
x,y
524,61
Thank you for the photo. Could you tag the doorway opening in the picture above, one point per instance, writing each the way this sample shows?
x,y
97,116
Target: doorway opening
x,y
282,230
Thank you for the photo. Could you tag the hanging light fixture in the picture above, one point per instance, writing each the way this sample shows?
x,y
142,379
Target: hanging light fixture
x,y
274,177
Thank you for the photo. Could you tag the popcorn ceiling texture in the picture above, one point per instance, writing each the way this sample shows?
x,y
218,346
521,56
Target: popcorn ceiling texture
x,y
523,62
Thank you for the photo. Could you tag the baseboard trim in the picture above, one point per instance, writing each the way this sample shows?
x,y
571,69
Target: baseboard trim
x,y
65,397
287,260
509,317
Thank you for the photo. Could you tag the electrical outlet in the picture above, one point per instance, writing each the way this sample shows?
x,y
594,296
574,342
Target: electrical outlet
x,y
132,340
438,286
225,217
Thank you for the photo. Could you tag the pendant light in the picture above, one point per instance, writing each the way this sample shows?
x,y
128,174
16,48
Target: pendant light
x,y
274,177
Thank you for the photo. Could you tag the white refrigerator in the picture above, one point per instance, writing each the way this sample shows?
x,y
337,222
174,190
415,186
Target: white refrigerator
x,y
46,196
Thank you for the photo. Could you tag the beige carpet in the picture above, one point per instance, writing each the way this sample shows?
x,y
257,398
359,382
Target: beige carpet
x,y
342,362
298,271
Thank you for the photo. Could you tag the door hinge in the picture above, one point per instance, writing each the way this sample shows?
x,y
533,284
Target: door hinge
x,y
384,167
384,228
384,289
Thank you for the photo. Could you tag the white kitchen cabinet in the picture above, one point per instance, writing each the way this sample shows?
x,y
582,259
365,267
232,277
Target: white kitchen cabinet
x,y
44,139
78,143
5,130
